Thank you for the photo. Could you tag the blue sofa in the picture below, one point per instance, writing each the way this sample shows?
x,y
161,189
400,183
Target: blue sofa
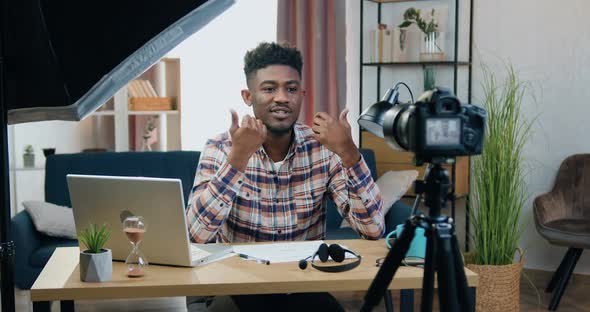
x,y
33,249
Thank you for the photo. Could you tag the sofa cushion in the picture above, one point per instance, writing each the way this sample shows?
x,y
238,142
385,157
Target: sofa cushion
x,y
392,186
50,219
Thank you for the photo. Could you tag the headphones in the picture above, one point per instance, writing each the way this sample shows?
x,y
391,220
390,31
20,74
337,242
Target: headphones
x,y
337,253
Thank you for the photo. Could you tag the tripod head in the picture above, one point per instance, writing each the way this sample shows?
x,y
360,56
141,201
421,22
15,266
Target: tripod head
x,y
436,188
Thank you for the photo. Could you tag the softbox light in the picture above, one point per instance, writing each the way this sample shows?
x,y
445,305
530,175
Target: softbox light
x,y
66,58
61,60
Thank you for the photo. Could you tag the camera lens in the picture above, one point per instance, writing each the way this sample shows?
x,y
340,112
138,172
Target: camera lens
x,y
396,126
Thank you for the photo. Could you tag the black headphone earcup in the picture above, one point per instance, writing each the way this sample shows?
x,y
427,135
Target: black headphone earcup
x,y
336,252
323,252
303,264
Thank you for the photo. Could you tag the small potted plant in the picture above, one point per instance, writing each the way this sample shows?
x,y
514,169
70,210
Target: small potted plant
x,y
96,262
29,156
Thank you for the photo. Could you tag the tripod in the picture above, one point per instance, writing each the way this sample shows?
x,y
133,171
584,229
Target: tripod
x,y
442,252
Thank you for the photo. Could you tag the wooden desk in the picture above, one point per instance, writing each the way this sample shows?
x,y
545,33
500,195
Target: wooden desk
x,y
60,279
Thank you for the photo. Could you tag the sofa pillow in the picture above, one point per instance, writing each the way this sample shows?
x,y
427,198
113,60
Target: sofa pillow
x,y
392,185
50,219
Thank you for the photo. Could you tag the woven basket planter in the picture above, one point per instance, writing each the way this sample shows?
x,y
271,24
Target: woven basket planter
x,y
499,286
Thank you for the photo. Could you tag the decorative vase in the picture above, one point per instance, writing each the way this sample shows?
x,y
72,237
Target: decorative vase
x,y
432,46
96,267
29,160
429,78
499,286
400,45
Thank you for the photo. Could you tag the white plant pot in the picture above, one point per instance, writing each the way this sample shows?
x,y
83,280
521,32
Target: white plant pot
x,y
96,267
29,160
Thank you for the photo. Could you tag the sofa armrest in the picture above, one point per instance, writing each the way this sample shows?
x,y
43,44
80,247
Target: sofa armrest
x,y
25,236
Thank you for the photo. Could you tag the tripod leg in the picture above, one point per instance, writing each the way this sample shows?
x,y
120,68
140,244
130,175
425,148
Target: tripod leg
x,y
447,288
428,279
466,300
390,265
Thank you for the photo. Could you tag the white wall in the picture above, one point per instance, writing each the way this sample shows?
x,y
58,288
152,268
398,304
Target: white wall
x,y
548,42
212,68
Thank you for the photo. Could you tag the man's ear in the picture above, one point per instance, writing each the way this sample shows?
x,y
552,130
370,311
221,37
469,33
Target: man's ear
x,y
247,97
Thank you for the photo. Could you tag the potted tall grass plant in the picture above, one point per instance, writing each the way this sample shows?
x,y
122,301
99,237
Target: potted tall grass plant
x,y
499,194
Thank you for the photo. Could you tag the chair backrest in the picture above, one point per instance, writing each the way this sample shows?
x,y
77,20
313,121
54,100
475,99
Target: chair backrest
x,y
573,183
175,164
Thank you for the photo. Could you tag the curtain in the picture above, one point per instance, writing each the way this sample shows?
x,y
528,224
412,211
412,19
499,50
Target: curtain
x,y
317,28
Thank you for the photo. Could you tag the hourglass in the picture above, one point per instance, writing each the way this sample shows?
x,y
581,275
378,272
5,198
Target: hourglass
x,y
134,227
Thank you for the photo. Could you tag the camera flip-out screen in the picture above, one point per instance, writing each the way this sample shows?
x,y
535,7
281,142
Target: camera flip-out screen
x,y
443,131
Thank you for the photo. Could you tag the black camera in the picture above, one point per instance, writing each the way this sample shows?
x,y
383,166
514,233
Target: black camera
x,y
434,128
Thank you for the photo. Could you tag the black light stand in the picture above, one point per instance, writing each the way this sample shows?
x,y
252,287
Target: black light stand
x,y
6,245
442,252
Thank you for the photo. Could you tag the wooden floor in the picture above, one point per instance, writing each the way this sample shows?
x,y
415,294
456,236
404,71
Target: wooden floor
x,y
576,298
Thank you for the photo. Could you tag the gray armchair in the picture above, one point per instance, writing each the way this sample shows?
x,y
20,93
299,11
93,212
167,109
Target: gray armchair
x,y
562,217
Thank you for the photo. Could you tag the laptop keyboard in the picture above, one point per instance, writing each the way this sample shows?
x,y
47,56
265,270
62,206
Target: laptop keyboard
x,y
197,253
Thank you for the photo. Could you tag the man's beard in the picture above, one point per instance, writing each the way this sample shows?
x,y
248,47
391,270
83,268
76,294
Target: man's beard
x,y
279,131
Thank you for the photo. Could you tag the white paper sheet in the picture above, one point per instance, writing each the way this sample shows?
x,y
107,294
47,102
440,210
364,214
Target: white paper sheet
x,y
282,252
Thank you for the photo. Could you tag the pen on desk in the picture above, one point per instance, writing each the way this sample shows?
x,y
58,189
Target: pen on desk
x,y
244,256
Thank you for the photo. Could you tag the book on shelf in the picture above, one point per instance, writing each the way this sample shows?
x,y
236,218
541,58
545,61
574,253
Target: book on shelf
x,y
381,44
391,45
141,88
148,85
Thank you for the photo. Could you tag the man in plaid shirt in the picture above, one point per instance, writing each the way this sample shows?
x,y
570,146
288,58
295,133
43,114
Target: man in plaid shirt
x,y
266,179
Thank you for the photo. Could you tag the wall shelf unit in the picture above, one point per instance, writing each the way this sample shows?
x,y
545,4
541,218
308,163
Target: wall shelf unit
x,y
118,127
426,63
375,78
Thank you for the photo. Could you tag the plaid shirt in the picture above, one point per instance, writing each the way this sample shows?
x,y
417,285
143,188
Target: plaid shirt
x,y
274,204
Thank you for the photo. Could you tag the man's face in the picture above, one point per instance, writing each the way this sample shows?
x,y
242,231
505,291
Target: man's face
x,y
275,94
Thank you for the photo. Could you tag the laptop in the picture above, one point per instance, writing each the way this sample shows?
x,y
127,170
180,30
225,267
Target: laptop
x,y
110,199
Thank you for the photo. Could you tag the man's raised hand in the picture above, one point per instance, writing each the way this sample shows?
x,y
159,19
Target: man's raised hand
x,y
246,139
335,135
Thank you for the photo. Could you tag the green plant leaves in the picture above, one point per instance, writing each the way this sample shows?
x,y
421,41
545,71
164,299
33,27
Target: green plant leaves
x,y
94,237
498,178
405,24
412,15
